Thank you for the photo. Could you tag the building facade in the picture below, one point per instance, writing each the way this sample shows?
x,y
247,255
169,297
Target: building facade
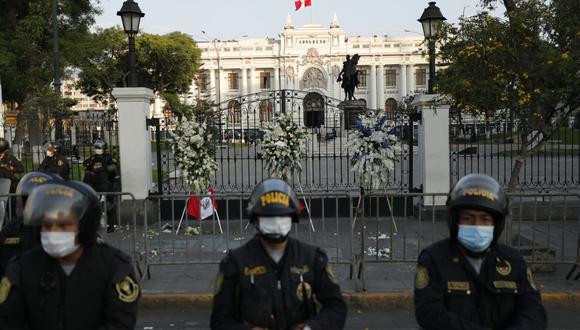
x,y
310,59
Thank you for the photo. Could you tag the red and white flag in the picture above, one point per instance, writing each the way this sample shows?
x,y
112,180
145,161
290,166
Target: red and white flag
x,y
202,208
300,3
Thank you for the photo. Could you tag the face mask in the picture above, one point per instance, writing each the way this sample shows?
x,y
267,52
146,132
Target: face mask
x,y
98,151
274,229
59,244
49,153
475,238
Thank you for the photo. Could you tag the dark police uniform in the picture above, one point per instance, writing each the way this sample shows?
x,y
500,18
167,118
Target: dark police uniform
x,y
100,172
449,294
57,164
15,238
253,290
100,293
10,165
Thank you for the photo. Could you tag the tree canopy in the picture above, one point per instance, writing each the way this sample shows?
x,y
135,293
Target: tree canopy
x,y
525,65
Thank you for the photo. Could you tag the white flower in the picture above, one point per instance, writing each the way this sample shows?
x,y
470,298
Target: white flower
x,y
280,144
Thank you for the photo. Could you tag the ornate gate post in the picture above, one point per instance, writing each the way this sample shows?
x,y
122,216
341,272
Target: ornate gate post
x,y
134,140
433,147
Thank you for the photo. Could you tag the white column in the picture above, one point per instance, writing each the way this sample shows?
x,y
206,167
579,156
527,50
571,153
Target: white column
x,y
403,81
212,84
244,80
276,78
411,79
134,140
381,87
253,87
373,88
433,148
222,85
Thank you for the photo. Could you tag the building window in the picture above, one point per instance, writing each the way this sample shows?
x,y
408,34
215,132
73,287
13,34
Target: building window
x,y
202,81
233,81
362,78
266,111
264,80
421,77
234,112
391,108
391,78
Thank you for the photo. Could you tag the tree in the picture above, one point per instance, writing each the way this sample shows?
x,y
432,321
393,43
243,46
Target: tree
x,y
26,46
524,67
166,64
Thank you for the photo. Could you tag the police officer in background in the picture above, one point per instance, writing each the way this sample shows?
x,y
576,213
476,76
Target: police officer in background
x,y
470,281
9,165
15,238
71,281
55,162
273,281
101,173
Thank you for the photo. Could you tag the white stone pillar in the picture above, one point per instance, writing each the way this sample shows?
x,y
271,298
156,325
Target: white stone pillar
x,y
433,148
134,140
276,78
244,81
212,85
253,87
411,79
222,85
403,82
373,88
381,87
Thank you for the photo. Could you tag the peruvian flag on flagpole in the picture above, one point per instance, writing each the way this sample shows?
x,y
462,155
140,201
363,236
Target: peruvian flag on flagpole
x,y
300,3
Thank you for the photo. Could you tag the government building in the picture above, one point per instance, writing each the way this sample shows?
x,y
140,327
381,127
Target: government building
x,y
309,59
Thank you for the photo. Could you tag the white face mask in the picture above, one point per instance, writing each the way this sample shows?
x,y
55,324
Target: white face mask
x,y
59,244
49,153
98,151
275,225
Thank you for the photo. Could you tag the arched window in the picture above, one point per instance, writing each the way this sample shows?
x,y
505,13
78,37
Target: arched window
x,y
234,112
266,111
391,107
313,110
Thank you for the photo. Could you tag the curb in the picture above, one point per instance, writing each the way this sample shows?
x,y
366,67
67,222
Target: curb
x,y
365,300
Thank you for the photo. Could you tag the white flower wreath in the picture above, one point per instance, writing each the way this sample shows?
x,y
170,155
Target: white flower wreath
x,y
282,145
193,148
374,150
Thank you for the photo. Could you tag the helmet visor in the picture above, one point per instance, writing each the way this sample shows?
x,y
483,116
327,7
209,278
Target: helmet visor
x,y
53,203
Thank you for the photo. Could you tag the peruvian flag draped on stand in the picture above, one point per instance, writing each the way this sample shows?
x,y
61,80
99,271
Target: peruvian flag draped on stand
x,y
202,208
299,3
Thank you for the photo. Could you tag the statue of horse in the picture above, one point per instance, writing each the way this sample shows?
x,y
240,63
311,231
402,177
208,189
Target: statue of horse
x,y
349,76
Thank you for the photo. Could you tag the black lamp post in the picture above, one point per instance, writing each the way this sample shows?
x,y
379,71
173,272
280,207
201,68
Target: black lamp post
x,y
131,17
431,20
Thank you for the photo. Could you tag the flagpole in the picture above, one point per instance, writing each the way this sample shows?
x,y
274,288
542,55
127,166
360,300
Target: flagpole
x,y
1,111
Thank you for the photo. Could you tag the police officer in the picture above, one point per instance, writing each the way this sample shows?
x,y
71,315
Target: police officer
x,y
71,281
100,173
15,238
271,281
470,281
9,165
55,162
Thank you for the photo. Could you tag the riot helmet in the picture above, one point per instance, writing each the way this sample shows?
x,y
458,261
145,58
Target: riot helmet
x,y
52,148
32,180
273,207
4,145
100,146
63,201
479,192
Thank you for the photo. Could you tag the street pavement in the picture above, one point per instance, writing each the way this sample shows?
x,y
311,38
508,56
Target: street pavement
x,y
197,318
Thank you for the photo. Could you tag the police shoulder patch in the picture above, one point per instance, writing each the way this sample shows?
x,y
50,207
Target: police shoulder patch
x,y
531,279
503,267
127,290
60,162
219,281
5,286
331,274
304,287
421,278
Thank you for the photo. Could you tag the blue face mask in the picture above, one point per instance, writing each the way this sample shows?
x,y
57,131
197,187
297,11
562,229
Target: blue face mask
x,y
475,238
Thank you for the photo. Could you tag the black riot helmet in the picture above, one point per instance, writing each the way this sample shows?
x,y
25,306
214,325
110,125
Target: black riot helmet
x,y
100,144
4,145
53,146
480,192
32,180
273,197
58,201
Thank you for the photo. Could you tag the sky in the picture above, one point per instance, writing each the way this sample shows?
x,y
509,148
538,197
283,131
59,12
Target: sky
x,y
231,19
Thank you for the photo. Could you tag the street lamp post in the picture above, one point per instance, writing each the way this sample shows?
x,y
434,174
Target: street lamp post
x,y
131,16
431,21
